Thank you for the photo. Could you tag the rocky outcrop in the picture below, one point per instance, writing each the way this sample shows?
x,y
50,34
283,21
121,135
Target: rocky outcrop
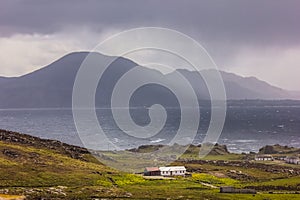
x,y
147,148
10,153
14,137
218,149
190,149
277,169
276,188
278,149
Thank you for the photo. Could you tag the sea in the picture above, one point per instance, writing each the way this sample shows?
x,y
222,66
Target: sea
x,y
246,128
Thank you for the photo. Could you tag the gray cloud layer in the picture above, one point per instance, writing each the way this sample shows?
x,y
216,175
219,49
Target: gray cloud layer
x,y
230,30
259,21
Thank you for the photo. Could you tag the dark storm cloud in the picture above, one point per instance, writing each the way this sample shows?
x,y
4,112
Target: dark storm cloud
x,y
251,38
262,22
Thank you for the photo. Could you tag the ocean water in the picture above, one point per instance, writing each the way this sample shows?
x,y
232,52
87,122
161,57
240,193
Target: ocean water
x,y
246,128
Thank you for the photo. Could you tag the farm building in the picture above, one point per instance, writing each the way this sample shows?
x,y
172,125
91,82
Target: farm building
x,y
280,157
151,171
293,160
173,171
264,157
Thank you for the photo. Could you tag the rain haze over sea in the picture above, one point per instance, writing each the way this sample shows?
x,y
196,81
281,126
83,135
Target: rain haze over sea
x,y
246,128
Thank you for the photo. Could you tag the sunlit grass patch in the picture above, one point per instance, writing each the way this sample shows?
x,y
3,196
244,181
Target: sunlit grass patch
x,y
210,179
128,179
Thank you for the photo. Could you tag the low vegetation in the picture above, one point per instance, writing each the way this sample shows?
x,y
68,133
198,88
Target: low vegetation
x,y
55,170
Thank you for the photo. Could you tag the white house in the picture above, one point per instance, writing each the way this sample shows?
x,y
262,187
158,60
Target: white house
x,y
293,160
173,171
264,157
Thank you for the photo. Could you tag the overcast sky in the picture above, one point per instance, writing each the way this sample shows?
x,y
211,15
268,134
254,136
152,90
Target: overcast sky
x,y
251,38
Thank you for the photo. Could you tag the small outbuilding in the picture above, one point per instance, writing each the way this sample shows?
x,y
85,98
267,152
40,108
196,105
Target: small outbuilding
x,y
280,157
152,171
230,189
264,157
173,171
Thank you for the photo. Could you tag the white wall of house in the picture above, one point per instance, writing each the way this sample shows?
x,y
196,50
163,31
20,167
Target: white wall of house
x,y
264,158
293,161
172,171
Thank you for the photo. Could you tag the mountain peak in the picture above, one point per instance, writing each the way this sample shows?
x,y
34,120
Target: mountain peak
x,y
52,85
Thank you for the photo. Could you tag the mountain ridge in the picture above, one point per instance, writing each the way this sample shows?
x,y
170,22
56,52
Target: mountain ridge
x,y
52,85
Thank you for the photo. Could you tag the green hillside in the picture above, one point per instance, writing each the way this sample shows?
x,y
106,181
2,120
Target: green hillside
x,y
35,168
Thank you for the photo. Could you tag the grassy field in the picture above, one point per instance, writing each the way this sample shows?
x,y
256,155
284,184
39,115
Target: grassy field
x,y
45,172
191,188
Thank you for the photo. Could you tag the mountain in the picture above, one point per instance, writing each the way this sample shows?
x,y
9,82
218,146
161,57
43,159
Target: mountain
x,y
238,87
52,85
